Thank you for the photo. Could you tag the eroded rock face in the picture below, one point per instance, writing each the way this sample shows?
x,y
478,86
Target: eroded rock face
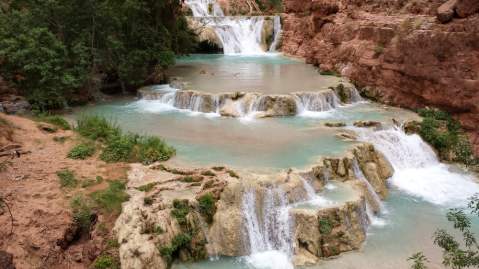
x,y
163,220
397,51
330,231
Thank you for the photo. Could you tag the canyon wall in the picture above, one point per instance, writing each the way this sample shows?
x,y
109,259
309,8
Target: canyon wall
x,y
398,51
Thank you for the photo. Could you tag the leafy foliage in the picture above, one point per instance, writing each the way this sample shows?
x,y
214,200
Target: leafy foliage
x,y
96,127
152,149
54,49
444,133
81,151
325,226
456,255
179,241
105,262
207,206
55,120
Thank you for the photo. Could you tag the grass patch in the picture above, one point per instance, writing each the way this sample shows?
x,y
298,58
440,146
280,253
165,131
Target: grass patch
x,y
152,149
96,127
181,208
111,198
82,151
207,206
119,149
105,262
82,212
67,178
147,187
218,168
55,120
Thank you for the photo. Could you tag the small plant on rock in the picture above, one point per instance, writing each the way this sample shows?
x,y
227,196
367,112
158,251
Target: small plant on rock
x,y
181,208
111,198
207,206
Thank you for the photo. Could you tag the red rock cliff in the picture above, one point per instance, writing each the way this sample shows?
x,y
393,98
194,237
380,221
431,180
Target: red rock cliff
x,y
398,50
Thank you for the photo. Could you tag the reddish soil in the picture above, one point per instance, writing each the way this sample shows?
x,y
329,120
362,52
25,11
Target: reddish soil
x,y
40,207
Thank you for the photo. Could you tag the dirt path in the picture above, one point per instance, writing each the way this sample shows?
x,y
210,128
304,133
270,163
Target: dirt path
x,y
41,210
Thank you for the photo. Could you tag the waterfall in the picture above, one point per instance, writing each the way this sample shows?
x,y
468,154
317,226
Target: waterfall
x,y
238,35
418,172
205,8
316,101
277,33
359,175
269,228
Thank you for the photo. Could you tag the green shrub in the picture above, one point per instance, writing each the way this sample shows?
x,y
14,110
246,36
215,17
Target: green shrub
x,y
97,127
105,262
207,206
147,187
179,241
152,149
325,226
82,212
379,49
111,198
60,139
67,178
444,134
119,149
181,208
82,151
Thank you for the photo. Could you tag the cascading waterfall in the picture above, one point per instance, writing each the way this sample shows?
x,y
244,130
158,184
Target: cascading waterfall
x,y
359,175
238,35
417,169
166,98
277,33
268,229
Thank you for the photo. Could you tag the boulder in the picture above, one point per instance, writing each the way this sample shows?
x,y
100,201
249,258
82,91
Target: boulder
x,y
367,124
445,12
335,124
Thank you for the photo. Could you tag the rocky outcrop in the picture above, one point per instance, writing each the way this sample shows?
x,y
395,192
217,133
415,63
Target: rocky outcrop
x,y
237,104
165,219
397,51
328,232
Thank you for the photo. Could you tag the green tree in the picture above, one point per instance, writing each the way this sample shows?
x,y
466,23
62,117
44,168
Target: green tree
x,y
456,255
53,50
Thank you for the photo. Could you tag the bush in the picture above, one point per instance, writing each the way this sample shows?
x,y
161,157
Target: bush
x,y
233,174
82,151
82,213
207,206
179,241
67,178
90,182
110,199
181,208
152,149
208,173
444,134
96,127
119,149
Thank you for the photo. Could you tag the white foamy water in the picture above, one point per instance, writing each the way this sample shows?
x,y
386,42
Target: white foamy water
x,y
277,33
238,35
417,170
